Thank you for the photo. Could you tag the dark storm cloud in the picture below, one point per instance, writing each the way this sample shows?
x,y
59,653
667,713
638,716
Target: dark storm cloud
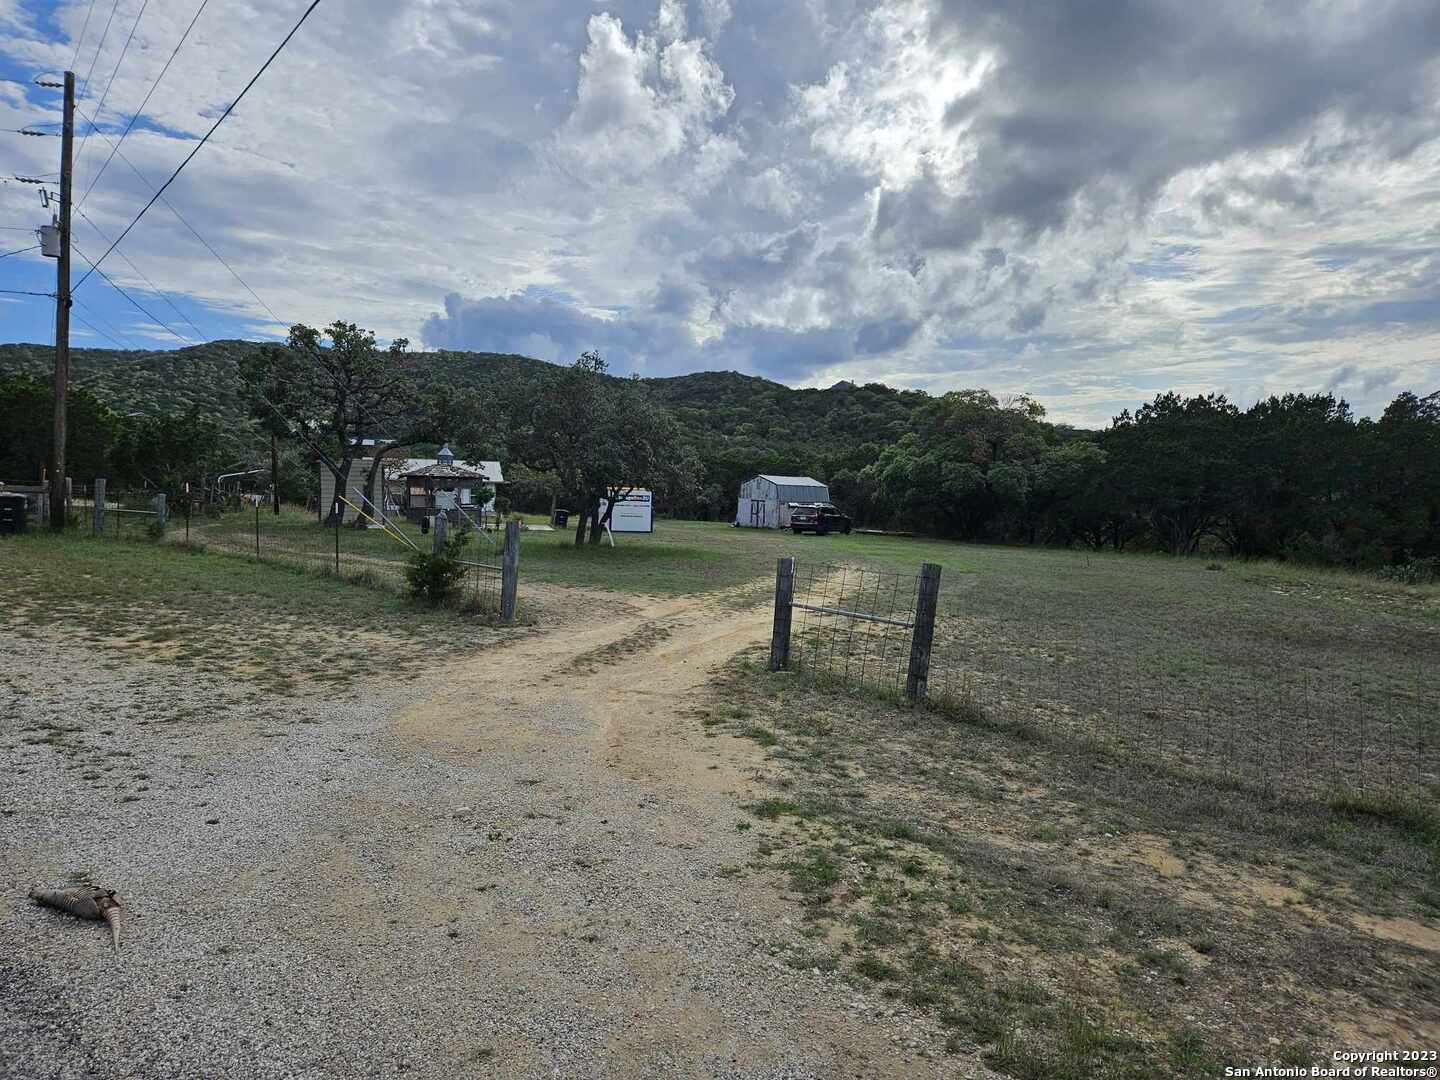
x,y
1112,98
652,343
754,258
551,328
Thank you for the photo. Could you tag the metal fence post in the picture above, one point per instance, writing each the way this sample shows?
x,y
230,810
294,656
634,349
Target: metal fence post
x,y
510,571
99,516
784,594
437,534
257,531
917,679
337,547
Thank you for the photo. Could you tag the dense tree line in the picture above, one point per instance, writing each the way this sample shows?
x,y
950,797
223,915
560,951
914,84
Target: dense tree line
x,y
1295,477
157,452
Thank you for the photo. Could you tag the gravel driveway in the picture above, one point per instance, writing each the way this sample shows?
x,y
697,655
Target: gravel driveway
x,y
517,868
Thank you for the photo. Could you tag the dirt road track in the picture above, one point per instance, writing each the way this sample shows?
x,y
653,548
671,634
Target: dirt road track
x,y
529,866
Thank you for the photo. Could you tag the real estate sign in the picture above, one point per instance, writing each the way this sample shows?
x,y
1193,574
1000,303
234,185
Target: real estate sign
x,y
634,513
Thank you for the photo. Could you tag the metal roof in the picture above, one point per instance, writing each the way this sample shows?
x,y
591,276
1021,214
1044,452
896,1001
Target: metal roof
x,y
490,470
445,471
792,481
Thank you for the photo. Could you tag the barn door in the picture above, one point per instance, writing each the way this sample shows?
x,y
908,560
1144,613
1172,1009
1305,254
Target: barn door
x,y
757,512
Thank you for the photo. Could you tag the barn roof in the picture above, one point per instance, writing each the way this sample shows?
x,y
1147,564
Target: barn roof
x,y
792,481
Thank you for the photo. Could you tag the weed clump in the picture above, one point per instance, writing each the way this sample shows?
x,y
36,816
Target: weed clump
x,y
435,578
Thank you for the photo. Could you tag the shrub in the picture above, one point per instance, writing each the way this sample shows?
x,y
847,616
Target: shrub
x,y
435,578
1415,572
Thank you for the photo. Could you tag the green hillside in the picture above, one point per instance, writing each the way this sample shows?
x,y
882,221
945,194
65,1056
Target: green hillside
x,y
739,423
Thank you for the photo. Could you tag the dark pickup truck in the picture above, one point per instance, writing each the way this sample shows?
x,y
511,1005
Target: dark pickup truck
x,y
819,518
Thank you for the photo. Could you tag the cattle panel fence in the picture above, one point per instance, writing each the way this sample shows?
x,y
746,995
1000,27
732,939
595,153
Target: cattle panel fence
x,y
1303,726
372,557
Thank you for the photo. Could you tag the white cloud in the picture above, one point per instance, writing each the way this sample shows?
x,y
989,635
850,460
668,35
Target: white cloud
x,y
639,103
937,192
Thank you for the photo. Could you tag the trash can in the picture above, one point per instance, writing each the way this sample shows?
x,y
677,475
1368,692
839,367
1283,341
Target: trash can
x,y
425,525
562,519
12,513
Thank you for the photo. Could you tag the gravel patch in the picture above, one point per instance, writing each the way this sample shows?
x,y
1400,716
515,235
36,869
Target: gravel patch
x,y
309,894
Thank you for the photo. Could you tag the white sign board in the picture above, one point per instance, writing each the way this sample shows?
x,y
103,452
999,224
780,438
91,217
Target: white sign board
x,y
634,513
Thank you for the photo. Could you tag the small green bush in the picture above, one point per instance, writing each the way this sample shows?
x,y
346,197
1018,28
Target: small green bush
x,y
436,578
1415,572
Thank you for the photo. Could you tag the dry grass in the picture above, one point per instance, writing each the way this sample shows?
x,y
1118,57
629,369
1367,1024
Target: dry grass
x,y
277,628
1076,914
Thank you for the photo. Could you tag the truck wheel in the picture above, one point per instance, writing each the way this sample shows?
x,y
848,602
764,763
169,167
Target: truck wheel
x,y
846,529
797,532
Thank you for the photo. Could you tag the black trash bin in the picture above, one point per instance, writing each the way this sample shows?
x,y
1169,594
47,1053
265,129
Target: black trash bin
x,y
12,513
562,519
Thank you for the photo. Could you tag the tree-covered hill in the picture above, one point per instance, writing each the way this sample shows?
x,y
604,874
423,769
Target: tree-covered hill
x,y
1294,476
739,423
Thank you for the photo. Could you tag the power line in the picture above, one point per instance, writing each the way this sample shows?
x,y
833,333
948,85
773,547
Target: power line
x,y
115,147
27,292
146,311
104,326
100,107
81,39
195,233
98,48
206,138
85,322
19,251
141,274
24,131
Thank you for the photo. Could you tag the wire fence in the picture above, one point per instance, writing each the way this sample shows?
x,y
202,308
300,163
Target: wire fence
x,y
1280,722
375,558
126,514
853,623
1281,719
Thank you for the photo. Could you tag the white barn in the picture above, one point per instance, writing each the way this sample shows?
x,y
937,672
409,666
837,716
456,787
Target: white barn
x,y
764,500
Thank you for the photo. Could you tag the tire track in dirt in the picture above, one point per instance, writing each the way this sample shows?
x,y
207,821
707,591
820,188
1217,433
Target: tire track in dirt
x,y
649,802
636,701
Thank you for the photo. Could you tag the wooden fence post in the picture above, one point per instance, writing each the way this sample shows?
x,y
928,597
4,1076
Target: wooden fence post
x,y
161,510
510,572
257,532
917,679
99,515
784,594
437,534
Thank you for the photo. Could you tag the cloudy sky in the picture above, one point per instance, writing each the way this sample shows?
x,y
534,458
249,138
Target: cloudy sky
x,y
1089,201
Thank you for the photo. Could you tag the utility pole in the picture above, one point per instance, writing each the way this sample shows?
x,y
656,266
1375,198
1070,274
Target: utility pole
x,y
62,312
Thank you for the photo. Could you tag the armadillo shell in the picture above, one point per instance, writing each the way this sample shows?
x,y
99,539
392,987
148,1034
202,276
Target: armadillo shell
x,y
86,903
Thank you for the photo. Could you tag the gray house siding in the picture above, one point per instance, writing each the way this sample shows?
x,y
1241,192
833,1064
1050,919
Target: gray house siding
x,y
358,468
